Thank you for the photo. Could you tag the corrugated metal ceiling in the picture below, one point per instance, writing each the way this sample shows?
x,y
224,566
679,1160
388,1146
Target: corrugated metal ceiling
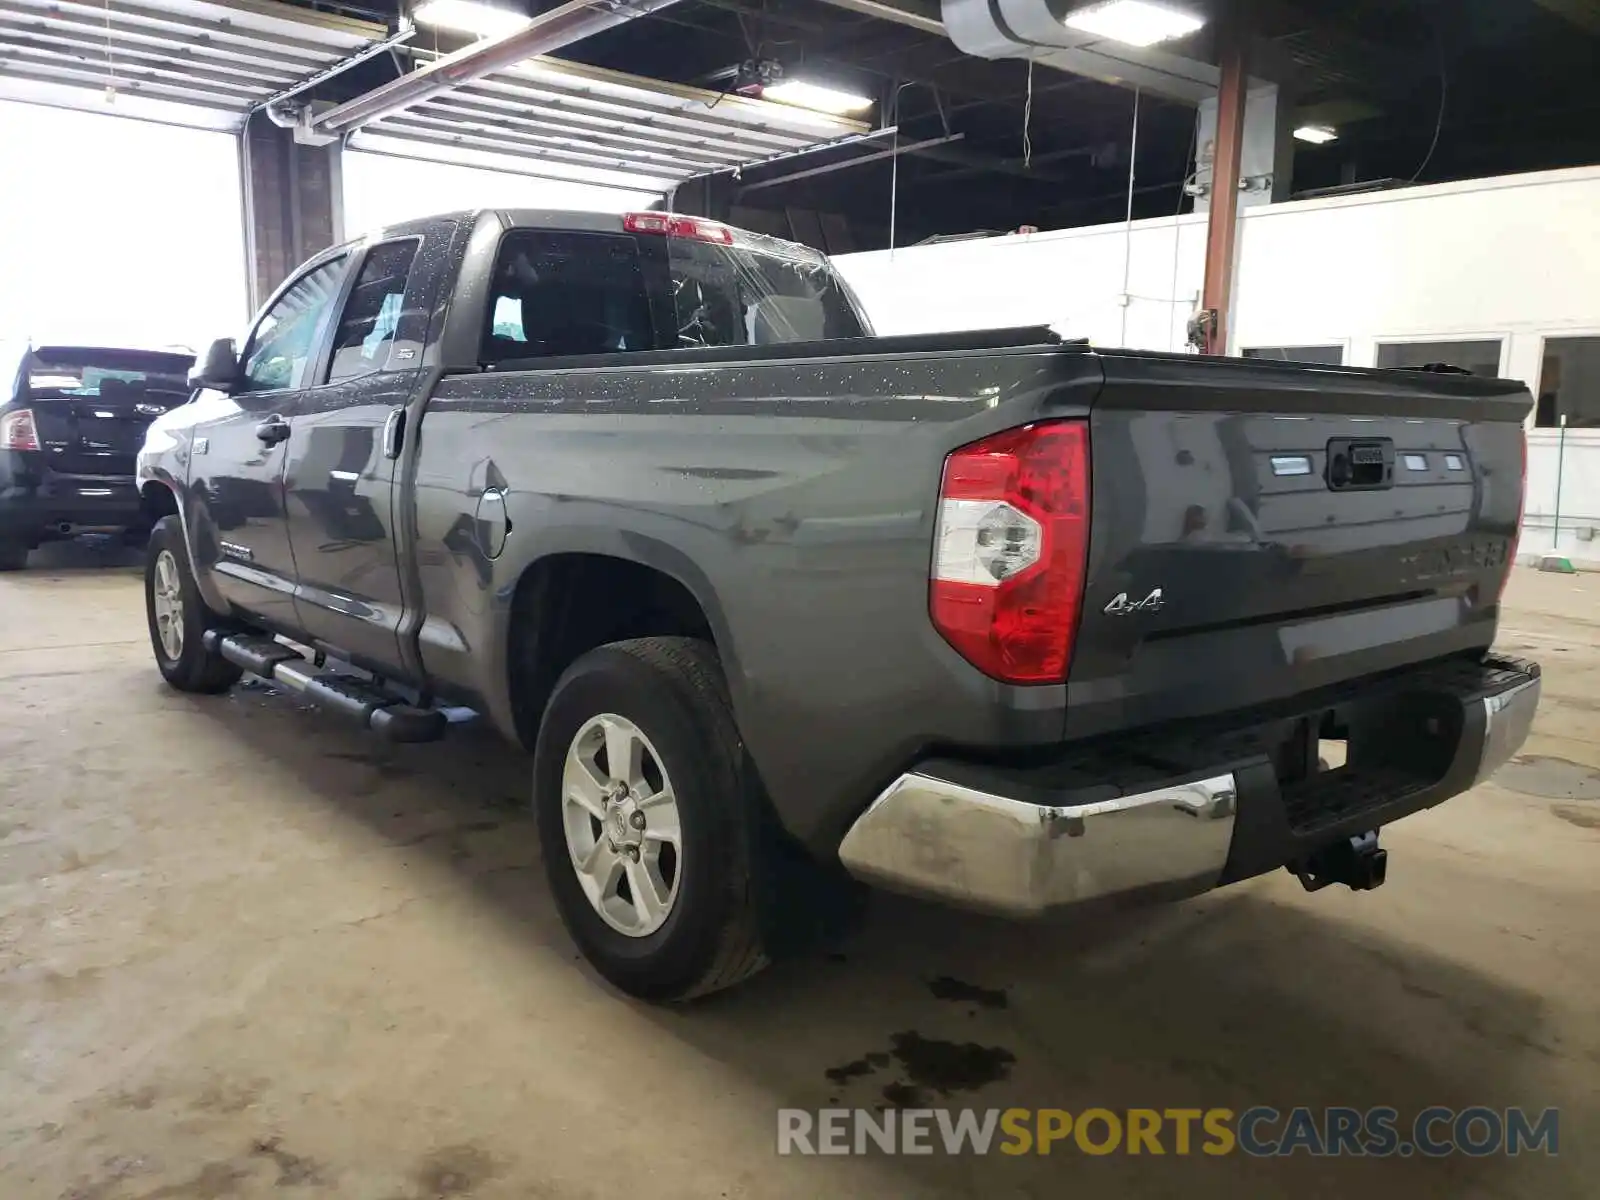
x,y
584,123
209,62
191,61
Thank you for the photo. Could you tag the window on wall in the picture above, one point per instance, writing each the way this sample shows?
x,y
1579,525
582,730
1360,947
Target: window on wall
x,y
1330,356
1569,382
1476,357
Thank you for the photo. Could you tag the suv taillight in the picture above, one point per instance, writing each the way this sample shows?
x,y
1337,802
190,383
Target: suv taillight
x,y
668,225
18,432
1010,550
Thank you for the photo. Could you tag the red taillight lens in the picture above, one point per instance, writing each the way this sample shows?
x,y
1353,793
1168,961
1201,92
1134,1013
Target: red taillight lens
x,y
18,432
668,225
1011,548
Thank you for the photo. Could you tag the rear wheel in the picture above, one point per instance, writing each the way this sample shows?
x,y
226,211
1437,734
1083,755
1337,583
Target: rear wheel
x,y
648,820
13,555
179,618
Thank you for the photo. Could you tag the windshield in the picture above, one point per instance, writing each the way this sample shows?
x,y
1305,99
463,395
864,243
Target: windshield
x,y
758,292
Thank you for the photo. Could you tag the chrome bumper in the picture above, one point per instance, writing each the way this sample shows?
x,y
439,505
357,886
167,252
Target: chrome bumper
x,y
1507,719
937,839
929,837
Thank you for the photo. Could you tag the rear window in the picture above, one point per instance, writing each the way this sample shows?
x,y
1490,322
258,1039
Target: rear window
x,y
761,292
571,292
84,372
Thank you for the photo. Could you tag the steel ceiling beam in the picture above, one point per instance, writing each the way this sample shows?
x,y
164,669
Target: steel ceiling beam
x,y
829,168
561,26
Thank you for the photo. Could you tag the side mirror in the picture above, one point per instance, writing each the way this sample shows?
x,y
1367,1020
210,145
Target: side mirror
x,y
218,368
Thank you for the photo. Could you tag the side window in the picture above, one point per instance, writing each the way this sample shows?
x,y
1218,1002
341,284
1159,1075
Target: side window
x,y
561,292
285,339
372,313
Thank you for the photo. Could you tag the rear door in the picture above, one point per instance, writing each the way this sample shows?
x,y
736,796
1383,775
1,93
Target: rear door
x,y
345,436
239,528
92,405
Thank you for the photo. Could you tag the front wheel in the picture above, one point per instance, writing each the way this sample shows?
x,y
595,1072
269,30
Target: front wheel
x,y
179,618
13,555
648,821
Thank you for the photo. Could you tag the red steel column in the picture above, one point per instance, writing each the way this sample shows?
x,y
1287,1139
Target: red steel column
x,y
1223,222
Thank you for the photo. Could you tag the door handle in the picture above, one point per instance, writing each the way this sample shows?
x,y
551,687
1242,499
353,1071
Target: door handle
x,y
273,430
394,432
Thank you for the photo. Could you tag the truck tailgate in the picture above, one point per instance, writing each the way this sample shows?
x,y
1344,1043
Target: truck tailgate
x,y
1261,529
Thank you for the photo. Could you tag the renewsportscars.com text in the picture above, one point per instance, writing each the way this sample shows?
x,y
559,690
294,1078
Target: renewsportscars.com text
x,y
1260,1131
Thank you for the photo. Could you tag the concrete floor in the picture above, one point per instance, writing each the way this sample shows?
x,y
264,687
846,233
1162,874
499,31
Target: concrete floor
x,y
248,952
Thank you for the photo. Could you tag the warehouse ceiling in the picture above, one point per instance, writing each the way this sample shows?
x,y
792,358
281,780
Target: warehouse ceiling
x,y
1417,90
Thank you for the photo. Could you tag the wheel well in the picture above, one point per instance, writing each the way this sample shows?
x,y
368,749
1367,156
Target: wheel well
x,y
567,604
157,501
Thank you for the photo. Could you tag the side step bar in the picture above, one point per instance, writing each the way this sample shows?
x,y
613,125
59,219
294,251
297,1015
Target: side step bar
x,y
385,713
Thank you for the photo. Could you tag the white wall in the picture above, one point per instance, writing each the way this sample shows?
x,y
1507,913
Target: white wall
x,y
381,189
1072,279
117,231
1515,258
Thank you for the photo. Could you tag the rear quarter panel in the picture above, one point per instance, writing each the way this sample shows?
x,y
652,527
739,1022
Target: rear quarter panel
x,y
794,498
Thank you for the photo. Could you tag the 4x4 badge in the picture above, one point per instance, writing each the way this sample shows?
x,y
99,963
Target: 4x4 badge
x,y
1121,606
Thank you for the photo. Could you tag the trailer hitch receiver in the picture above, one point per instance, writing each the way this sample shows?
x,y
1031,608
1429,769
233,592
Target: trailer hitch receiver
x,y
1356,862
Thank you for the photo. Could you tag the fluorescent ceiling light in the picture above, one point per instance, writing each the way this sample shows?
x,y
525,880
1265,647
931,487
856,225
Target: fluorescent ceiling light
x,y
468,16
1134,22
1317,135
813,95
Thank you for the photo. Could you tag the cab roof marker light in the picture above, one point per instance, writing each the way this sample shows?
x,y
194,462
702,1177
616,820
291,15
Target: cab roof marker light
x,y
668,225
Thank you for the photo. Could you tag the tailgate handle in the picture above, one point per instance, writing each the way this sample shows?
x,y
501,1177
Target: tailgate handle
x,y
1360,464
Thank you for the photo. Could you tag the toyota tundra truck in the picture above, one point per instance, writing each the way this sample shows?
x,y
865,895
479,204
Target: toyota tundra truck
x,y
992,618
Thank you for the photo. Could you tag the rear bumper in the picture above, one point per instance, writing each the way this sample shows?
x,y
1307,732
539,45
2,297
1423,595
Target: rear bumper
x,y
37,506
1102,825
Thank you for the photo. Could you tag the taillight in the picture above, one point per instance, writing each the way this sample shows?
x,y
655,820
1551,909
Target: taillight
x,y
1010,550
668,225
18,432
1522,507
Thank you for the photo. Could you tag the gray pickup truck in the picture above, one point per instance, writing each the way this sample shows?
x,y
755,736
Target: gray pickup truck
x,y
992,618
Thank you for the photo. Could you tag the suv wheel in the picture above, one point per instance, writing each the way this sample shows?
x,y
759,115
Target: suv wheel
x,y
648,821
13,555
179,618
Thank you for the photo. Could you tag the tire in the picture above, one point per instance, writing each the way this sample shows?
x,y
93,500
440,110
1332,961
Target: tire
x,y
170,591
671,691
13,556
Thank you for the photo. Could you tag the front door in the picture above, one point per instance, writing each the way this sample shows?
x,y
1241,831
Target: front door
x,y
341,470
239,529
